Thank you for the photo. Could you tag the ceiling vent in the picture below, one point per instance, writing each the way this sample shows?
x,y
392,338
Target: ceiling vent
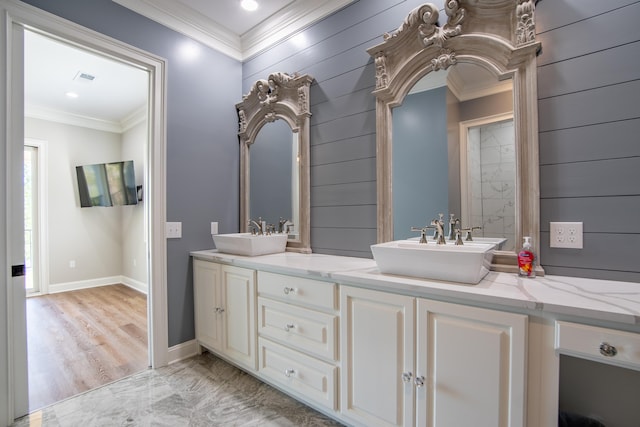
x,y
84,77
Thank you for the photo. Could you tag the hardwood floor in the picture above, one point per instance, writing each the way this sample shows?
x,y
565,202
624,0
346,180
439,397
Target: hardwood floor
x,y
83,339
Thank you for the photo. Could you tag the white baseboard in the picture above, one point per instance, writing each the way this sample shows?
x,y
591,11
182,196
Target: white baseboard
x,y
135,284
94,283
183,351
83,284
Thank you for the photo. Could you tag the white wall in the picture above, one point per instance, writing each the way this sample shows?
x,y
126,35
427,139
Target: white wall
x,y
92,237
134,253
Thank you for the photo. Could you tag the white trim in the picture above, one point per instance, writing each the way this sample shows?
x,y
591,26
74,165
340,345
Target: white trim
x,y
55,288
67,118
43,212
17,13
292,19
286,22
135,284
183,351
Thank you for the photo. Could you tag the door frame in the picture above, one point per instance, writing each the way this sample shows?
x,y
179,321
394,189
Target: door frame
x,y
16,16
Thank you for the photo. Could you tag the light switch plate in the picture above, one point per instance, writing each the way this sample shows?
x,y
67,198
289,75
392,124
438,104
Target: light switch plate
x,y
565,235
174,230
214,227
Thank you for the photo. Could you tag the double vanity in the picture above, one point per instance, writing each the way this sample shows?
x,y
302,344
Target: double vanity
x,y
426,334
374,349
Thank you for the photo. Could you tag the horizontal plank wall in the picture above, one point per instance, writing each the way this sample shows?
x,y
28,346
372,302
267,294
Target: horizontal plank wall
x,y
588,86
588,90
343,121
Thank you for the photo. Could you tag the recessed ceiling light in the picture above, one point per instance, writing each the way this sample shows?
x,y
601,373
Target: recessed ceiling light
x,y
71,95
249,5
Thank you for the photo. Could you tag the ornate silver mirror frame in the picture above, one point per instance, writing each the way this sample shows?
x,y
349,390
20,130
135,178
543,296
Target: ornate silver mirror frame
x,y
286,97
498,35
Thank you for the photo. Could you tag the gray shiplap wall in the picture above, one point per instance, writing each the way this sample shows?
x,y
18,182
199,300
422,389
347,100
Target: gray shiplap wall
x,y
343,141
588,89
588,86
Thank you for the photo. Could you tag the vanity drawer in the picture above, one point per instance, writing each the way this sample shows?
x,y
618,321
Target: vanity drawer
x,y
599,344
297,290
308,330
312,378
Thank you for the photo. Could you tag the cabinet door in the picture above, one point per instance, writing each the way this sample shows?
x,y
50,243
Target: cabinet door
x,y
208,304
239,296
376,348
473,364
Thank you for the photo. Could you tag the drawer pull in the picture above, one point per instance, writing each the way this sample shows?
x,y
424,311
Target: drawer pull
x,y
289,373
288,290
419,381
608,350
289,326
406,377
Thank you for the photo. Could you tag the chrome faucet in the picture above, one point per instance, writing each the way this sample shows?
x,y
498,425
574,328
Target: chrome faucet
x,y
284,225
258,227
452,226
438,224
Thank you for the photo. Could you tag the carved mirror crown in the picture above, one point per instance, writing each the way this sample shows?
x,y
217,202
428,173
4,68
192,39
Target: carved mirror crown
x,y
280,96
498,35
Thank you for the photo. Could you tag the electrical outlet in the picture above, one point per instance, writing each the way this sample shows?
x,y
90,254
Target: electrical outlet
x,y
214,227
565,235
72,263
174,230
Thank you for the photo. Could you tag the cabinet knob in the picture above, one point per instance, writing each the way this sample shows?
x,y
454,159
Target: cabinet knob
x,y
289,326
419,381
406,377
289,373
288,290
608,350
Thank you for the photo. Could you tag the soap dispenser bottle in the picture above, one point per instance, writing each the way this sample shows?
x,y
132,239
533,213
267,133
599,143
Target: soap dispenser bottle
x,y
526,260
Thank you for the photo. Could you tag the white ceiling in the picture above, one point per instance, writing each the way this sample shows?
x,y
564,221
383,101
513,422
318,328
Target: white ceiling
x,y
118,94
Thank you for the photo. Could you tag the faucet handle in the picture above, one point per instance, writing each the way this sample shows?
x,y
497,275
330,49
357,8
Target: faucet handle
x,y
469,230
459,241
423,233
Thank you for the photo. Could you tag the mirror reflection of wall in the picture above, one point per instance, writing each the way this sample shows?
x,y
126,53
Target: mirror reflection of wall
x,y
491,180
274,174
436,169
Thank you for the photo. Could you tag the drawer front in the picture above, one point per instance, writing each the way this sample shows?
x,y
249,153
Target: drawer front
x,y
308,330
600,344
297,290
309,377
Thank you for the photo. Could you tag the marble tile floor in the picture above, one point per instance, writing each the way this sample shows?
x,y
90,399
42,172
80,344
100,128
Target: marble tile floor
x,y
200,391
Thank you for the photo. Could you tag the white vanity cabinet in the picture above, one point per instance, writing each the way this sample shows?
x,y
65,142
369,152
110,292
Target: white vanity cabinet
x,y
411,361
297,336
225,310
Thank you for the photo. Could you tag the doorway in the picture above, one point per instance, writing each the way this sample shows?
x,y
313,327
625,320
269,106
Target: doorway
x,y
13,369
104,121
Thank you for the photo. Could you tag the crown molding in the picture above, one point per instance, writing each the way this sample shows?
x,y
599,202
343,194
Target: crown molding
x,y
58,116
287,22
188,22
278,27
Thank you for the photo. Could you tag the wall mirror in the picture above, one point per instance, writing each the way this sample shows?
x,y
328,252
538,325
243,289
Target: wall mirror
x,y
456,122
274,156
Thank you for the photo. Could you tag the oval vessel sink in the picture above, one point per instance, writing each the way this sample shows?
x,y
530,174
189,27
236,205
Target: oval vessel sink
x,y
250,245
464,264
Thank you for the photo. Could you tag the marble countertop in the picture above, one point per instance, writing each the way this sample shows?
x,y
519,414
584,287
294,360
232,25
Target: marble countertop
x,y
604,300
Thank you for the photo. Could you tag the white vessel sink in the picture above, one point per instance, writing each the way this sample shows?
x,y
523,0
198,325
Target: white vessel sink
x,y
465,264
250,245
